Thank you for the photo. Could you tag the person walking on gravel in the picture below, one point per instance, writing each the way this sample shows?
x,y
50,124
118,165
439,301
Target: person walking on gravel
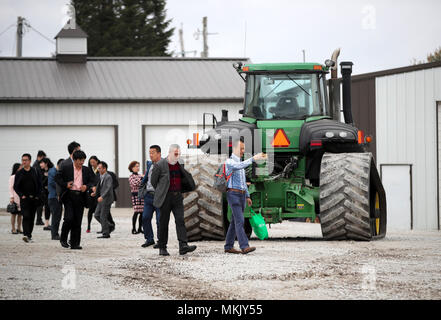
x,y
14,198
27,185
104,192
74,179
170,180
149,208
237,196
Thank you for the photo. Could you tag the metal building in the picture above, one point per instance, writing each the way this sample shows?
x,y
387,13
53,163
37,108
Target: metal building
x,y
400,108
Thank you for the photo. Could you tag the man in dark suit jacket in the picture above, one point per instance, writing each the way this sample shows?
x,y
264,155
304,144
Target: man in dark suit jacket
x,y
28,186
104,192
74,179
170,180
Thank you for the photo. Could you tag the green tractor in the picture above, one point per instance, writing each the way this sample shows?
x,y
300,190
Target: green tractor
x,y
317,168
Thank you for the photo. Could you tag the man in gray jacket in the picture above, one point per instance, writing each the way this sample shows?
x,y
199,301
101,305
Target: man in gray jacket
x,y
104,191
170,180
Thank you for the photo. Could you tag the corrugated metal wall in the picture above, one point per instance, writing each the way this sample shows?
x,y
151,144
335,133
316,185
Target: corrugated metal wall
x,y
406,134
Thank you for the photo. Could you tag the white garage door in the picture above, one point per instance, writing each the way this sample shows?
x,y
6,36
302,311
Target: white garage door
x,y
164,136
397,183
14,141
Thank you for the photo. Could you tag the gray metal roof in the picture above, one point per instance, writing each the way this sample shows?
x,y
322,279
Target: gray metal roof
x,y
45,79
71,33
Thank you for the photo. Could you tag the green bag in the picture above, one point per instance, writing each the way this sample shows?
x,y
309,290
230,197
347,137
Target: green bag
x,y
259,225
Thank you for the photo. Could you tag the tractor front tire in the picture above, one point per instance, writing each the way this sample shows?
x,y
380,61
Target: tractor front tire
x,y
348,183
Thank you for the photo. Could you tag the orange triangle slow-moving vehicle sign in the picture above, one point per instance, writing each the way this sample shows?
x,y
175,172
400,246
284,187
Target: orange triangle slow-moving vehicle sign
x,y
280,139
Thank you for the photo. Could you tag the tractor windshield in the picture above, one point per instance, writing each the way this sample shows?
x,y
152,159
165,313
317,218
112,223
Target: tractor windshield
x,y
292,96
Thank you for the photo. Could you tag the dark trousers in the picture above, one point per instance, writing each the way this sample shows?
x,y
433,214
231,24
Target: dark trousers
x,y
92,207
102,213
237,202
28,209
55,207
39,213
73,216
47,211
173,202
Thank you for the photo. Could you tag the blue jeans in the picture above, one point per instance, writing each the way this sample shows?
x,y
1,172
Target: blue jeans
x,y
237,203
147,216
55,207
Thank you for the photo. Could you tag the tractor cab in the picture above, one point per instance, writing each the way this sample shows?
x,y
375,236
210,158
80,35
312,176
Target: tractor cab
x,y
285,91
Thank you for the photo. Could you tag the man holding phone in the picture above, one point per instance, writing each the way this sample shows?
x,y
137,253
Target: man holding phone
x,y
74,179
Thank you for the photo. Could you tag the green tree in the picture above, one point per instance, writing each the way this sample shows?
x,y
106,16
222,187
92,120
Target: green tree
x,y
124,27
435,56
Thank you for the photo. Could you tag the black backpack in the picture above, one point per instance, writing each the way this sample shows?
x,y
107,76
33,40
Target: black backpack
x,y
221,178
115,182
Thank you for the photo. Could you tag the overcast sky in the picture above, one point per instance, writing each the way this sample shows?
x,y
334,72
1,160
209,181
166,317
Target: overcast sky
x,y
375,35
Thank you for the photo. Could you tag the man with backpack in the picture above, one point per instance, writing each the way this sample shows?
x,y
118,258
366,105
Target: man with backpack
x,y
149,194
105,194
237,196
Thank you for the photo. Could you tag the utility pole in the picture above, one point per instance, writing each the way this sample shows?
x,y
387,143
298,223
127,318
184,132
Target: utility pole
x,y
204,53
205,34
20,21
181,40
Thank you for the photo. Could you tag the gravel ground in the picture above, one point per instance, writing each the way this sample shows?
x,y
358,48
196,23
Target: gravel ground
x,y
295,263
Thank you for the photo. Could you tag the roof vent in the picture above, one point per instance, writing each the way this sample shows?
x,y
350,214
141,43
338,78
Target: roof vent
x,y
71,41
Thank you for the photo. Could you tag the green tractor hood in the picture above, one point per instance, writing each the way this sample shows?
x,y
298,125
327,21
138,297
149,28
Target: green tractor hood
x,y
282,135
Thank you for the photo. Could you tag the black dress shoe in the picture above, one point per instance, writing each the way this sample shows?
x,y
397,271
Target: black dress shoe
x,y
57,237
156,246
163,252
76,248
147,244
39,223
104,236
64,244
99,232
48,228
185,249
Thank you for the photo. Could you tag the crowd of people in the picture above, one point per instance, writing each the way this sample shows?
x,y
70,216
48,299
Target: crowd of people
x,y
70,186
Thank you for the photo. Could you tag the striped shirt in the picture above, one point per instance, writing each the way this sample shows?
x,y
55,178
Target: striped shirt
x,y
238,178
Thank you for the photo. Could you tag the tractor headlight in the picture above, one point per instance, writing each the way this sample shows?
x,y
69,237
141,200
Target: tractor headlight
x,y
329,134
343,134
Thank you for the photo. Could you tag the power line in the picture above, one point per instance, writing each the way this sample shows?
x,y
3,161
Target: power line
x,y
42,35
7,29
